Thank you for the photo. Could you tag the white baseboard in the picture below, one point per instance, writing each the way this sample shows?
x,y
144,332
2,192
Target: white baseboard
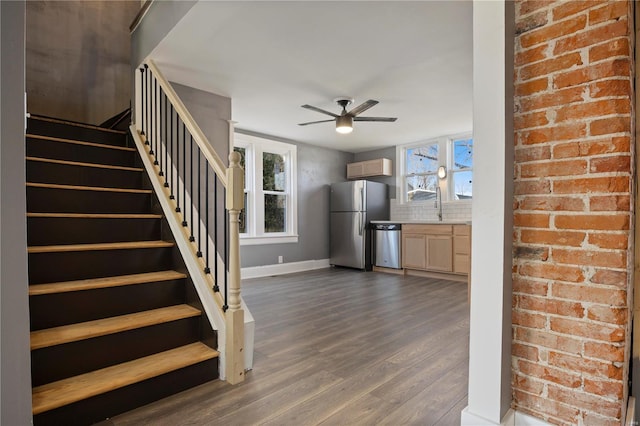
x,y
283,268
512,418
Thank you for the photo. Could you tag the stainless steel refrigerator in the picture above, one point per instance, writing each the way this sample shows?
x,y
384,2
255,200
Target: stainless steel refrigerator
x,y
354,205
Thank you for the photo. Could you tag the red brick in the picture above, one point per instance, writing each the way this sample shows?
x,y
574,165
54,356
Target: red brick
x,y
523,285
587,329
525,319
585,401
532,153
608,88
604,351
590,148
610,203
528,384
611,48
568,8
531,22
530,252
548,340
552,238
552,272
529,56
610,241
554,168
551,407
593,419
551,306
593,109
590,37
532,86
592,222
551,99
619,67
554,133
549,374
592,185
606,388
524,351
553,31
591,367
531,220
611,259
607,126
618,163
532,187
608,12
610,315
609,277
550,66
582,293
547,203
527,6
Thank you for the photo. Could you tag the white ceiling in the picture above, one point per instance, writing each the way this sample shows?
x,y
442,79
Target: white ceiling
x,y
272,57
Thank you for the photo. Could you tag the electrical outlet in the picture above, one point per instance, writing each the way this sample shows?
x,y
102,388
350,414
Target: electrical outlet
x,y
280,259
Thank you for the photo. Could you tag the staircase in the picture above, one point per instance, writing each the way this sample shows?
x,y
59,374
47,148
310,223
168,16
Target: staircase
x,y
115,321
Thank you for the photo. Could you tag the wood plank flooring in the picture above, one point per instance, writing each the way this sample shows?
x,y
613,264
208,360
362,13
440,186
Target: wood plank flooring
x,y
339,347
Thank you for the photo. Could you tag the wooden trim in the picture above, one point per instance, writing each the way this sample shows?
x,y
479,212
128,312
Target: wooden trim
x,y
97,215
102,327
63,392
79,142
443,276
106,282
100,246
198,136
388,270
76,124
143,11
77,163
87,188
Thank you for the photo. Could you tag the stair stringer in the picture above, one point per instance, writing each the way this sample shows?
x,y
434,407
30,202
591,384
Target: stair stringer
x,y
212,302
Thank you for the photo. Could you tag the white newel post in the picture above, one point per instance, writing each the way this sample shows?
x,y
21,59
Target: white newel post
x,y
234,314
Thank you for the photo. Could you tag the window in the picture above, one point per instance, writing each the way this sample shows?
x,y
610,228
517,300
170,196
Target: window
x,y
270,212
418,166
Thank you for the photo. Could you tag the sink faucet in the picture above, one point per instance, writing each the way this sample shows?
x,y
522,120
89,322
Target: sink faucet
x,y
438,205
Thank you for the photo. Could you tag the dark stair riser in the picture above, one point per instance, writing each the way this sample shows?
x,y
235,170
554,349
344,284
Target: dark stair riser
x,y
65,131
100,407
71,359
65,174
53,310
69,230
68,266
82,153
54,200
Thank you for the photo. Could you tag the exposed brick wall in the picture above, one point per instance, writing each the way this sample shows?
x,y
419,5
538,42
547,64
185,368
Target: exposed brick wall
x,y
572,210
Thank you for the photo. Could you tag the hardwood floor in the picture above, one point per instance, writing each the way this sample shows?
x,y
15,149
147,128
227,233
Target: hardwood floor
x,y
339,347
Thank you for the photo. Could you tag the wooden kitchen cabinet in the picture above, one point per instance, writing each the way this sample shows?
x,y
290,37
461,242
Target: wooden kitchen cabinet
x,y
414,251
461,249
439,248
427,247
377,167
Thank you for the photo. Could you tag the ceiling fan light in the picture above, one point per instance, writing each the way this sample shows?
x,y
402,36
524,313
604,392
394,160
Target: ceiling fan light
x,y
344,124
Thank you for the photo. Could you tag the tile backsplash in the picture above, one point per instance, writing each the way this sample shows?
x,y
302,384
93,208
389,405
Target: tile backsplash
x,y
451,211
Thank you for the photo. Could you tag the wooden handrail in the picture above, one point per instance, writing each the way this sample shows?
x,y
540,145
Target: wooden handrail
x,y
198,135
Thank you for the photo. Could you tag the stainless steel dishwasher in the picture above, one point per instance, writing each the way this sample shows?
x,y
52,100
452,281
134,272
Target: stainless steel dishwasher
x,y
388,245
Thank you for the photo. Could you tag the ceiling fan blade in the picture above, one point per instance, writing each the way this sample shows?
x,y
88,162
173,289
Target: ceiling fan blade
x,y
385,119
362,107
319,110
314,122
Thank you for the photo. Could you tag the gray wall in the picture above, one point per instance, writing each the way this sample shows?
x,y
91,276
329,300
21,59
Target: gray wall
x,y
78,58
317,168
15,367
389,153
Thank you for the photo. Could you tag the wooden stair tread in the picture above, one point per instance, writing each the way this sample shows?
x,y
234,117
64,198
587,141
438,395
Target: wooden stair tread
x,y
81,164
87,188
79,142
73,123
99,246
97,215
63,392
86,330
106,282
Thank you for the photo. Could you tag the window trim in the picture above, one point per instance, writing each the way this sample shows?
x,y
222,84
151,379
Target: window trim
x,y
254,148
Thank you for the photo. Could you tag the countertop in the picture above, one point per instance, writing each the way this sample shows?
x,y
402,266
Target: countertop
x,y
426,222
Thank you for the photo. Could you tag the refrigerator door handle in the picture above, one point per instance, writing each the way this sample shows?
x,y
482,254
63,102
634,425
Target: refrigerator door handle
x,y
360,223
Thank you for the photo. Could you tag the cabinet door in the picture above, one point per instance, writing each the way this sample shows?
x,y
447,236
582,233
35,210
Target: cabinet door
x,y
355,170
440,253
414,251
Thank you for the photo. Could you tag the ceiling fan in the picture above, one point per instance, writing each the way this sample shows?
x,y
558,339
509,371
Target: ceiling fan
x,y
344,121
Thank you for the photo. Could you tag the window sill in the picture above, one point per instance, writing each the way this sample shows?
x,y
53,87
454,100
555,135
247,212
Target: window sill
x,y
275,239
